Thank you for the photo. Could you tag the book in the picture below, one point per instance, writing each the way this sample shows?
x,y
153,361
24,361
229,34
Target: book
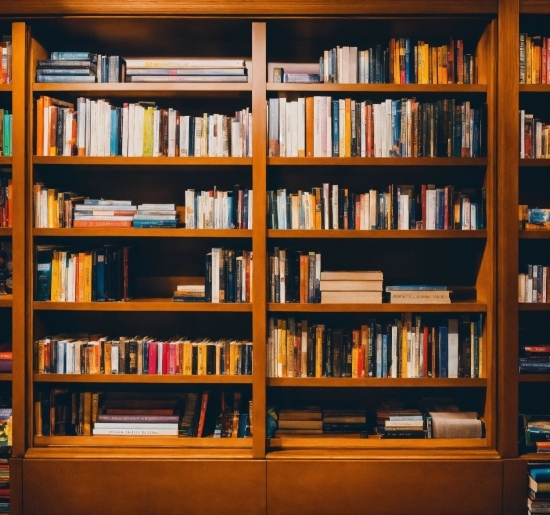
x,y
351,276
300,424
350,285
420,297
135,432
347,297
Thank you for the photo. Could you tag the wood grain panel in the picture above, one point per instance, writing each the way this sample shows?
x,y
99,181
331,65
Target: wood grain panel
x,y
514,486
16,486
144,486
246,7
382,487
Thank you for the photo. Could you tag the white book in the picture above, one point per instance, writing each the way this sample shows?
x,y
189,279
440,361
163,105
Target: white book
x,y
107,129
124,123
521,287
453,347
323,126
135,425
317,126
345,65
250,208
301,127
93,128
282,127
335,206
140,131
376,136
339,73
288,128
156,132
136,432
198,136
184,136
387,128
353,65
236,146
328,127
88,124
393,351
216,254
373,211
131,124
326,197
430,209
81,119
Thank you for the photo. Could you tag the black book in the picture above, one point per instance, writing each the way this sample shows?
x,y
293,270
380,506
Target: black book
x,y
211,359
59,139
483,131
294,264
191,136
372,349
131,357
194,359
346,356
327,352
235,207
354,119
311,351
341,208
337,352
208,278
437,128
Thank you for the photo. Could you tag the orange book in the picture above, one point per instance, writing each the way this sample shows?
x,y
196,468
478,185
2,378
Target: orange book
x,y
309,126
396,70
318,208
348,127
355,354
433,66
303,278
81,276
40,126
364,347
102,223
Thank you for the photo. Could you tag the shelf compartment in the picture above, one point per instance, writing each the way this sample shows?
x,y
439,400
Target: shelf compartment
x,y
6,377
373,442
454,307
143,441
534,306
149,233
132,89
534,378
141,305
5,231
376,234
536,234
141,379
534,163
374,382
376,161
378,88
140,161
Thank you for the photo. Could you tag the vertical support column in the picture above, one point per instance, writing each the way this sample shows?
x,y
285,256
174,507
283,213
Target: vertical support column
x,y
259,234
507,224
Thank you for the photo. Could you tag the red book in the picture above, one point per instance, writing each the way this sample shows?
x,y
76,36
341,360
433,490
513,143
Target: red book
x,y
425,354
102,223
165,358
202,415
153,357
544,55
6,355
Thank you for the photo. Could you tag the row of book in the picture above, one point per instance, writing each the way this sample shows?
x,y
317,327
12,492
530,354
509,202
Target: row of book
x,y
538,490
405,348
320,126
534,59
6,60
80,67
533,137
98,275
6,203
141,129
533,286
534,359
402,207
142,355
60,411
399,63
534,432
6,129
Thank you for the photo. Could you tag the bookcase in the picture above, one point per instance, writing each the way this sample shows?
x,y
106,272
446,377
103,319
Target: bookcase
x,y
482,262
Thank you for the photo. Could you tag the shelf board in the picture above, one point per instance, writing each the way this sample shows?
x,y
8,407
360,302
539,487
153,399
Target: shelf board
x,y
6,161
536,456
377,161
534,88
534,234
375,234
6,301
454,307
146,88
534,163
134,232
378,88
5,231
143,441
346,382
141,305
373,442
534,378
534,306
141,161
6,377
141,379
6,88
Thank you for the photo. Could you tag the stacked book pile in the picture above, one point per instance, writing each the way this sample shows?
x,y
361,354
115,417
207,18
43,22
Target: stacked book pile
x,y
186,70
308,420
104,213
534,359
538,500
4,484
419,294
536,433
400,423
338,421
189,292
351,287
67,67
156,215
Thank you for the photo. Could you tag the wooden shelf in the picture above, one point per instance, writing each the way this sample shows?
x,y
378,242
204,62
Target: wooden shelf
x,y
141,161
377,161
534,88
373,442
376,234
6,301
140,379
128,89
149,233
535,234
379,88
534,163
143,441
141,305
534,378
5,231
374,382
6,88
454,307
534,306
6,377
536,456
6,161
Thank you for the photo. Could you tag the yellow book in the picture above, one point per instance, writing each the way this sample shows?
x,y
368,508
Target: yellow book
x,y
348,127
88,277
232,359
290,355
443,64
320,329
187,358
283,346
404,348
317,208
312,209
364,347
148,120
529,55
433,66
396,69
40,356
52,195
107,358
426,48
355,350
55,277
218,359
87,414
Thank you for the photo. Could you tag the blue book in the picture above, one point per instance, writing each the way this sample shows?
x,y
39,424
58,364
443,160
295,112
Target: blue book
x,y
114,133
44,257
443,351
384,355
71,56
65,78
229,221
372,78
335,128
244,216
378,350
541,475
440,203
148,224
415,287
407,61
395,150
381,198
243,424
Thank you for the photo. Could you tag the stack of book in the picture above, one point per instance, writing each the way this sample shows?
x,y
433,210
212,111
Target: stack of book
x,y
68,67
104,213
338,421
533,218
300,421
538,500
4,483
156,215
136,425
400,423
294,72
189,292
5,62
181,69
418,294
534,359
351,287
